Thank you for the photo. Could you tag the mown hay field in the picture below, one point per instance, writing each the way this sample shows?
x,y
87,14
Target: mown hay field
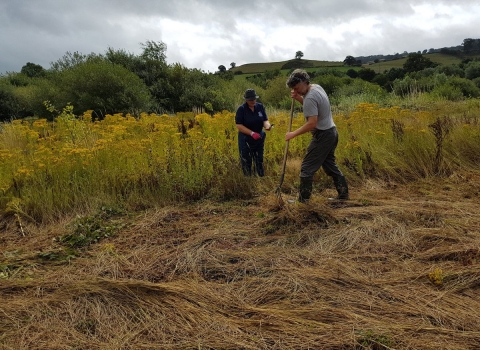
x,y
395,268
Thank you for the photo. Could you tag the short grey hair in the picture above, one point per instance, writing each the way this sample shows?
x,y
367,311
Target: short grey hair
x,y
297,76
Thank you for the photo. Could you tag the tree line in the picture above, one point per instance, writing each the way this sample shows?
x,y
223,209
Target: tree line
x,y
463,79
114,82
468,46
121,82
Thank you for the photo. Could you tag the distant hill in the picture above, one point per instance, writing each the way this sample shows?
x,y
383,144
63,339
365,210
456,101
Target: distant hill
x,y
380,66
469,47
444,59
379,63
252,68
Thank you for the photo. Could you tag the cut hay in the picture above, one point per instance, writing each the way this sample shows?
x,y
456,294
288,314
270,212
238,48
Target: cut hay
x,y
398,271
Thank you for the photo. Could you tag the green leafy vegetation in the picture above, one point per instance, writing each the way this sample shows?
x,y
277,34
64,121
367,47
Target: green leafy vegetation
x,y
121,82
89,230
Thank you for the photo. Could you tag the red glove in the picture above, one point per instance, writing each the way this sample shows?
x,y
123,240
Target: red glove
x,y
255,135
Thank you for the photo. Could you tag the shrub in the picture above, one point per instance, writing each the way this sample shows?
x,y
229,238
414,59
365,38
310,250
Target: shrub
x,y
102,87
408,86
476,81
9,108
447,92
451,70
467,87
276,92
366,74
352,73
331,83
472,70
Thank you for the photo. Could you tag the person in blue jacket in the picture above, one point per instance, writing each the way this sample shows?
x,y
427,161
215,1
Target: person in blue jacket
x,y
250,120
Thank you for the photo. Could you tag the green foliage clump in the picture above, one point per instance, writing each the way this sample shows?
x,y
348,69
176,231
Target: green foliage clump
x,y
277,94
33,70
472,70
264,79
331,83
91,229
467,87
61,255
102,87
447,92
8,103
417,62
451,70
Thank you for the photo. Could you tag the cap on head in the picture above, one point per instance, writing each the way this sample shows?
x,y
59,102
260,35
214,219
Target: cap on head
x,y
297,76
250,94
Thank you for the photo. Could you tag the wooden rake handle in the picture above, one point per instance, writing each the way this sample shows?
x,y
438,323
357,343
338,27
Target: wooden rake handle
x,y
286,147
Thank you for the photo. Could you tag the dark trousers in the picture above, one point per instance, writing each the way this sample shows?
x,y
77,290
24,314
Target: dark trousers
x,y
251,151
321,153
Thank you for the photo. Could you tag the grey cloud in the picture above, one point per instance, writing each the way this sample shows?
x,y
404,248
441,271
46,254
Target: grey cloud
x,y
42,31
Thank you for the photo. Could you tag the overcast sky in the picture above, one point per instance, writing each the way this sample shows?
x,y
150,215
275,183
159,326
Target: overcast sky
x,y
207,33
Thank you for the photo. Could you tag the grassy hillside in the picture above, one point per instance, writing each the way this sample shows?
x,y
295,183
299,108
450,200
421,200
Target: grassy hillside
x,y
253,68
434,57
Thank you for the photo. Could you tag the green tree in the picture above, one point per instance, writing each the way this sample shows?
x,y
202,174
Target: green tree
x,y
18,79
70,60
381,79
416,62
151,67
395,73
9,108
330,82
224,73
352,73
154,51
350,61
124,58
33,70
366,74
276,92
451,70
103,87
263,79
468,45
472,70
467,87
298,55
30,97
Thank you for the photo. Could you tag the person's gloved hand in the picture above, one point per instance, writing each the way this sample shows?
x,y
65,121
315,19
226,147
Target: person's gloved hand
x,y
256,135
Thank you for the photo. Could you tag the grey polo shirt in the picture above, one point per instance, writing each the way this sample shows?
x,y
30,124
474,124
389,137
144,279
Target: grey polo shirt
x,y
316,102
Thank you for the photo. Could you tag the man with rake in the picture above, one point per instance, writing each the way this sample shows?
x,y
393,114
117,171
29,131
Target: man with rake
x,y
318,121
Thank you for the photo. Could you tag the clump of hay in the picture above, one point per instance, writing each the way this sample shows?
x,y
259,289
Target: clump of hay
x,y
292,212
